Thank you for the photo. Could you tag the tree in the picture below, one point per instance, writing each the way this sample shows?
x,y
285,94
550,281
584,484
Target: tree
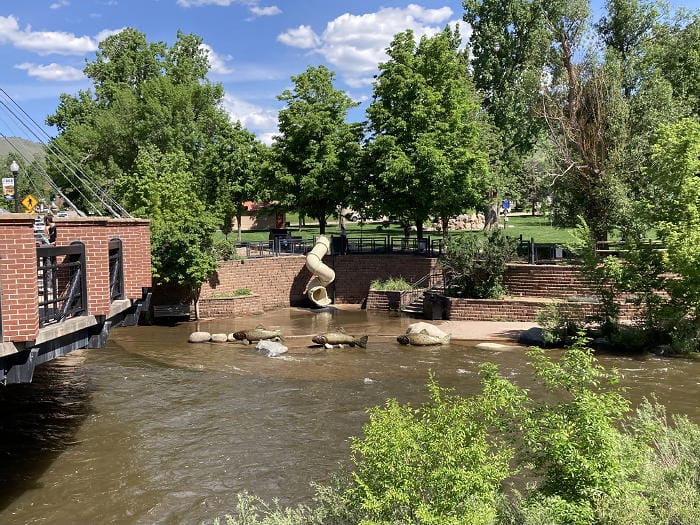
x,y
150,104
161,188
509,44
235,160
675,212
427,150
316,149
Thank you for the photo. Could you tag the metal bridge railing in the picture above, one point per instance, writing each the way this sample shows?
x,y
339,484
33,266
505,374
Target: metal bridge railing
x,y
62,280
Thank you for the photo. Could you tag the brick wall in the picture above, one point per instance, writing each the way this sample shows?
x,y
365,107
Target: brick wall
x,y
18,266
95,233
18,278
136,244
229,307
354,273
384,300
460,309
546,280
281,281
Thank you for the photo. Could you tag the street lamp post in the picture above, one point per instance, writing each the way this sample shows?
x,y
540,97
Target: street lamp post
x,y
14,168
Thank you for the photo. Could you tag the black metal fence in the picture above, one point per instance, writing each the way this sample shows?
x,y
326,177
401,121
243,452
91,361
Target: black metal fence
x,y
541,252
61,273
341,245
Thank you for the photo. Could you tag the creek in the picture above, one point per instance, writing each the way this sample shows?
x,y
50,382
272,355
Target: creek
x,y
152,429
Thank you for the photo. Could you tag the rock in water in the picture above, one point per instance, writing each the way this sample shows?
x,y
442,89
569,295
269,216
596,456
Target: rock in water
x,y
422,338
430,329
199,337
218,338
270,348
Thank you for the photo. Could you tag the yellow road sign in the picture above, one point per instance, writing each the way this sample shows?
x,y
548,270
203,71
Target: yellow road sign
x,y
29,202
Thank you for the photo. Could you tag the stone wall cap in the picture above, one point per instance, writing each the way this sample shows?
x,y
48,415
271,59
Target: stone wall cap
x,y
100,220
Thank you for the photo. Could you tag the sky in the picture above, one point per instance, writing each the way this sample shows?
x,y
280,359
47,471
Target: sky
x,y
254,46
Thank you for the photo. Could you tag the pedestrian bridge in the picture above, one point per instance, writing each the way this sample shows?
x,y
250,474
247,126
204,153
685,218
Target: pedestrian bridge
x,y
55,299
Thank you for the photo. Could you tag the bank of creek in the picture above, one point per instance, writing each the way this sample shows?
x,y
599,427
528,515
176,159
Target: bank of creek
x,y
152,429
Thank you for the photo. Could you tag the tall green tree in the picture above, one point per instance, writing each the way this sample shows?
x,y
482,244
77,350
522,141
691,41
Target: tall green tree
x,y
160,188
427,150
510,45
143,129
235,162
317,149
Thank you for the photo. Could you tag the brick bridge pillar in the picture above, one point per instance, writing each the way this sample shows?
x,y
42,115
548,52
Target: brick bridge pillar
x,y
95,233
19,287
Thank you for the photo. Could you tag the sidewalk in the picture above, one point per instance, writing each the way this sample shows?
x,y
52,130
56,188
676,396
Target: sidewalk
x,y
484,330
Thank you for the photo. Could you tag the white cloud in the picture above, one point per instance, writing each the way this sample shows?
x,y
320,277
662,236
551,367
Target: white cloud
x,y
302,36
356,44
259,120
252,5
198,3
216,61
53,71
59,4
271,10
47,42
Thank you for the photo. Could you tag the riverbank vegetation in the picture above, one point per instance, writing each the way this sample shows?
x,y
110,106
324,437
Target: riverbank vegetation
x,y
571,452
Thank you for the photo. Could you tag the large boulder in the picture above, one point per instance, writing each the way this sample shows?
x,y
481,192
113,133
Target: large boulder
x,y
218,338
270,348
430,329
532,336
199,337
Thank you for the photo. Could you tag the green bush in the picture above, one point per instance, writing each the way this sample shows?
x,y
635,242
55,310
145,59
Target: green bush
x,y
434,464
398,284
456,460
558,324
474,264
224,249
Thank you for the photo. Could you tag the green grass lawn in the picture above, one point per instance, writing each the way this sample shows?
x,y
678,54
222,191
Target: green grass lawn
x,y
538,227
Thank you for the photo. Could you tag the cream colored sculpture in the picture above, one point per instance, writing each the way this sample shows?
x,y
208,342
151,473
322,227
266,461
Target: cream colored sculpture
x,y
323,275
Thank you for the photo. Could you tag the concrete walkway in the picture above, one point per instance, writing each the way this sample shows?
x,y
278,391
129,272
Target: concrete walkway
x,y
484,330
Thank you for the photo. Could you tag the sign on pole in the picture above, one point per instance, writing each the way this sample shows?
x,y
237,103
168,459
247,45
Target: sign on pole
x,y
8,188
29,202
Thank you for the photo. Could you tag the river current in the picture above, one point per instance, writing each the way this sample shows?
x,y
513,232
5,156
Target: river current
x,y
152,429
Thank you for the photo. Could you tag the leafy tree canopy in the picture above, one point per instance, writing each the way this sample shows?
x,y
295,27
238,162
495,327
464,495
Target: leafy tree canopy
x,y
427,150
317,150
152,133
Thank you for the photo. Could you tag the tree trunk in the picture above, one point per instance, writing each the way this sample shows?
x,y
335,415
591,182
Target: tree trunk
x,y
445,226
534,204
491,217
322,225
419,229
239,220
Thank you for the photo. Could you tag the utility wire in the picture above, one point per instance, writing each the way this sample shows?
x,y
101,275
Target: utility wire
x,y
87,182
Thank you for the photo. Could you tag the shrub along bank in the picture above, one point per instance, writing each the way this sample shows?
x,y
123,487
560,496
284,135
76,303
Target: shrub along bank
x,y
460,460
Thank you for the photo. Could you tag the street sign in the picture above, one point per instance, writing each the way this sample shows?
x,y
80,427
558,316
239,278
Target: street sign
x,y
29,202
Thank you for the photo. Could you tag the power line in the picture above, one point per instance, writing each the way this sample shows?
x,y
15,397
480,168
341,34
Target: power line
x,y
81,182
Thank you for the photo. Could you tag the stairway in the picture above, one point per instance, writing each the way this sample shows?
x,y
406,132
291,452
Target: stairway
x,y
415,307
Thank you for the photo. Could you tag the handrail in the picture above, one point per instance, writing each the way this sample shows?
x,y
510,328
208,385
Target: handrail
x,y
418,288
62,285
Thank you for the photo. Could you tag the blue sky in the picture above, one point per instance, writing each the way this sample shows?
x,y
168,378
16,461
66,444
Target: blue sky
x,y
255,46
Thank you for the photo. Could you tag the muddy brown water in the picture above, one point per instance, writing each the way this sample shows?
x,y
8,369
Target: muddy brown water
x,y
152,429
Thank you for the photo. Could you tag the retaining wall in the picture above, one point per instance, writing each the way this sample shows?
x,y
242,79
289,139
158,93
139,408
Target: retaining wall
x,y
281,281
